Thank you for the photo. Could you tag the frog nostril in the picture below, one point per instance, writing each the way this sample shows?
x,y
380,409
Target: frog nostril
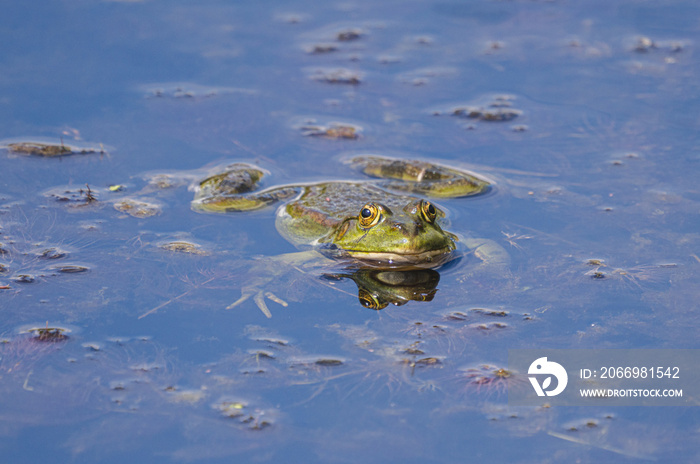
x,y
408,229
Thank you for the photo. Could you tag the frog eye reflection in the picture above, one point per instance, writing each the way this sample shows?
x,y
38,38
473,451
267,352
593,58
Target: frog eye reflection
x,y
428,210
369,216
370,302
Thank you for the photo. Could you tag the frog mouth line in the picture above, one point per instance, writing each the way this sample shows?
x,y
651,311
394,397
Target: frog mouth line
x,y
431,257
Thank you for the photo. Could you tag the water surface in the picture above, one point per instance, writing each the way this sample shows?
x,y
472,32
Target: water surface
x,y
596,202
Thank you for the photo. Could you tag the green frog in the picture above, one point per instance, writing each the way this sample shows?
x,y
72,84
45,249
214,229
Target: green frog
x,y
386,223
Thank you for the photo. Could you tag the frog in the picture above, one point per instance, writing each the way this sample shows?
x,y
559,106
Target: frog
x,y
388,222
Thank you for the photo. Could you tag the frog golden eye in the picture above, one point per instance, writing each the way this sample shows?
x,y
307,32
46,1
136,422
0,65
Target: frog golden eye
x,y
366,300
369,216
428,210
369,301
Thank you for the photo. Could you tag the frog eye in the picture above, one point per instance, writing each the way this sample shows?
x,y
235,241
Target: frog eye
x,y
428,210
369,216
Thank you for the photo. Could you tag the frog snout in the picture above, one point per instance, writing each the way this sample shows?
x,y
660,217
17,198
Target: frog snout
x,y
408,228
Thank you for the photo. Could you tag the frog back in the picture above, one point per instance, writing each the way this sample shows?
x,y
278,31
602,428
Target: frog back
x,y
322,208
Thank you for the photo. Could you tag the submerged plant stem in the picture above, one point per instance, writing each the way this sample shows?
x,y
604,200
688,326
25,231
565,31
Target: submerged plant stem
x,y
162,305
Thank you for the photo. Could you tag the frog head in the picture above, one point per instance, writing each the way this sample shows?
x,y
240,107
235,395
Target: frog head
x,y
409,237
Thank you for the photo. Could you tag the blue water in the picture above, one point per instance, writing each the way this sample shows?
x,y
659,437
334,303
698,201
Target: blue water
x,y
600,163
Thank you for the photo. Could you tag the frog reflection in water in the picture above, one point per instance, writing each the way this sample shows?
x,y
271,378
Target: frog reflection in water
x,y
377,288
371,224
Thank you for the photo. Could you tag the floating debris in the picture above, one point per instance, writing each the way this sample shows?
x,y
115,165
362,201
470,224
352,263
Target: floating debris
x,y
232,408
490,378
490,326
50,150
240,411
146,367
273,341
48,334
596,274
262,354
138,208
75,196
181,246
92,346
52,253
188,91
413,349
490,312
322,48
644,44
424,40
338,76
70,268
493,46
23,278
499,109
466,314
253,371
164,181
456,316
334,130
423,76
422,363
349,35
329,362
117,386
486,374
430,361
486,113
311,361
